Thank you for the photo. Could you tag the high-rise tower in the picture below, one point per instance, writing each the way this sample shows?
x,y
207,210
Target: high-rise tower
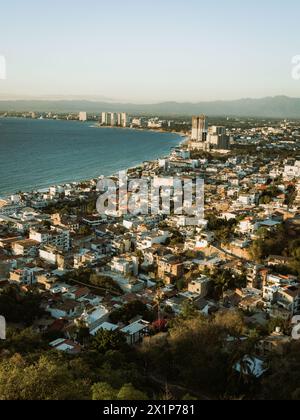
x,y
199,128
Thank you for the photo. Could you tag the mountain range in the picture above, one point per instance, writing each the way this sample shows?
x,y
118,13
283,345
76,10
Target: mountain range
x,y
269,107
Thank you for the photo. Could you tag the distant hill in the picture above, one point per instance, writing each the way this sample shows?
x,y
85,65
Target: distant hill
x,y
273,107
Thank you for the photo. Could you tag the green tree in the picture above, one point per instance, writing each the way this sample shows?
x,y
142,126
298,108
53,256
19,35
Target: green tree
x,y
45,379
188,310
283,379
103,392
105,341
129,393
23,341
20,307
106,283
85,231
130,311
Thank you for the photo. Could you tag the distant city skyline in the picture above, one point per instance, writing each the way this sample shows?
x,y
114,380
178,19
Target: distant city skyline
x,y
151,51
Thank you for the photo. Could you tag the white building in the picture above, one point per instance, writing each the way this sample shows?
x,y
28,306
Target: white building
x,y
154,123
122,265
82,116
55,190
137,122
57,237
48,254
246,226
122,119
247,199
67,309
291,172
147,240
95,317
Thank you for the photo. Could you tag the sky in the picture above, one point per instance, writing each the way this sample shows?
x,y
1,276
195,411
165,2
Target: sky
x,y
149,51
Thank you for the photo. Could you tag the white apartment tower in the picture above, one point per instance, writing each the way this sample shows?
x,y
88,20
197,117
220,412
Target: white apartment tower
x,y
104,118
108,118
119,119
82,116
112,119
124,120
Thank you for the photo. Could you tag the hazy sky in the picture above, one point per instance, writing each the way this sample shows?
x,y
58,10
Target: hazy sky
x,y
147,51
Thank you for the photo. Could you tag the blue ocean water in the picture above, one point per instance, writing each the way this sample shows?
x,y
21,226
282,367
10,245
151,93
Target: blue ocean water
x,y
35,154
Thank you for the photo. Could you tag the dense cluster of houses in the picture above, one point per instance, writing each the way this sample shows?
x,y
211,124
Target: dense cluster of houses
x,y
160,260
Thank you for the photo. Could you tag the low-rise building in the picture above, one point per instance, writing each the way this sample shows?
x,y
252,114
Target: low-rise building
x,y
200,286
26,248
54,236
135,332
170,269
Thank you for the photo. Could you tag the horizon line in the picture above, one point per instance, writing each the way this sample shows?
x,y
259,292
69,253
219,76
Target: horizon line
x,y
91,99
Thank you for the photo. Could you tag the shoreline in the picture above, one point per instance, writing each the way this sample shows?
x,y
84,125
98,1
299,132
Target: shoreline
x,y
94,124
182,140
151,130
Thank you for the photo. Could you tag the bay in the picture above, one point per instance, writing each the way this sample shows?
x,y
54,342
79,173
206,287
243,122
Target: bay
x,y
35,154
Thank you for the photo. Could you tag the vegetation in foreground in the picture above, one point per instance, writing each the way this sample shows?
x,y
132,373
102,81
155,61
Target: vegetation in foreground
x,y
195,359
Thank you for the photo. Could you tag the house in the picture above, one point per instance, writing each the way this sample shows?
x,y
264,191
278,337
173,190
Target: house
x,y
76,293
60,288
26,248
48,253
199,242
101,246
251,303
46,280
256,275
280,280
292,171
93,221
246,226
176,303
69,222
54,236
87,257
251,366
107,326
270,294
56,190
248,199
94,317
135,332
66,309
66,346
7,243
289,299
128,285
170,269
56,256
268,224
147,240
274,343
200,286
90,299
25,276
122,265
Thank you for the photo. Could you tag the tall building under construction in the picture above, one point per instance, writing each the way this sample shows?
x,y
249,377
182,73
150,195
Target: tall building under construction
x,y
199,128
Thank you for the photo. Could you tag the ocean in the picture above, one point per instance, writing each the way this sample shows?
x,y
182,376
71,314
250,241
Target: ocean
x,y
35,154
